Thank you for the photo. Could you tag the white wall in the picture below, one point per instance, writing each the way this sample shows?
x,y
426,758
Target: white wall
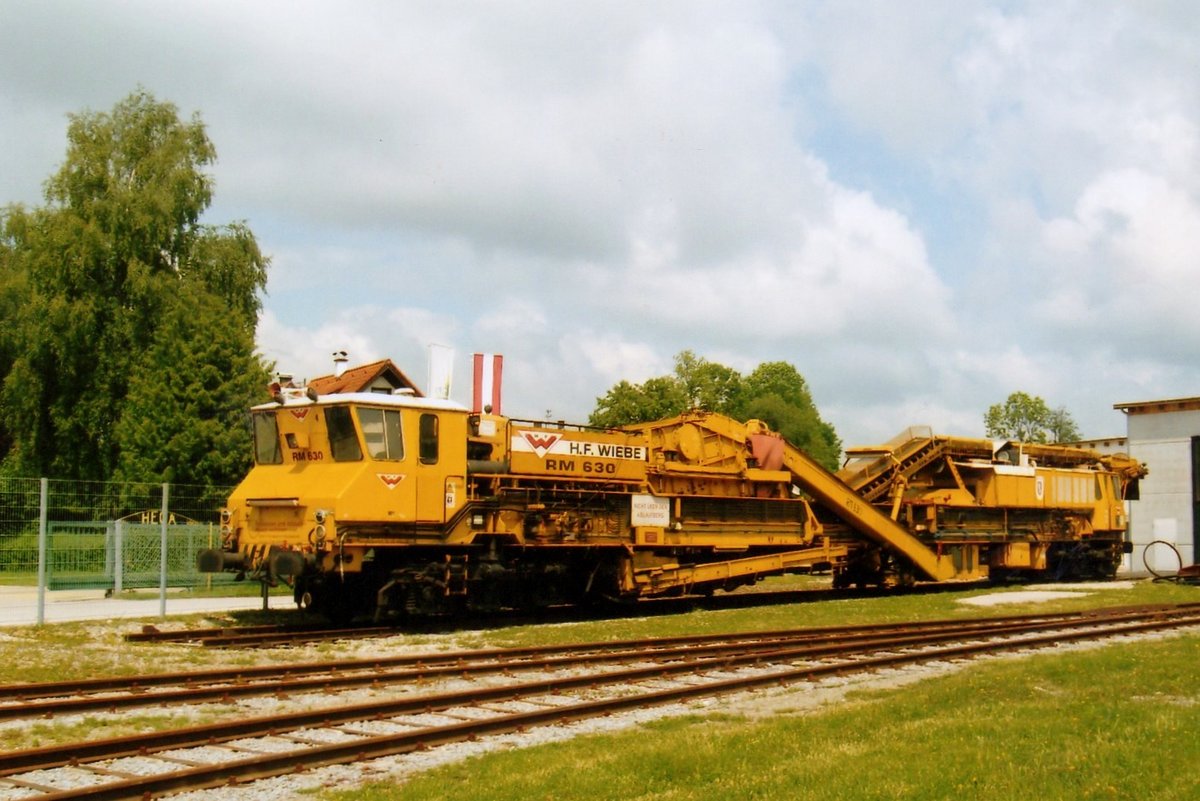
x,y
1164,442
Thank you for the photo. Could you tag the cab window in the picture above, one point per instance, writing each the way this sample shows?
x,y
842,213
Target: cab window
x,y
266,439
343,440
381,433
429,438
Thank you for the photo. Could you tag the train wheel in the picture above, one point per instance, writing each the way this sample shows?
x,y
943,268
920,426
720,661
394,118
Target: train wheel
x,y
340,602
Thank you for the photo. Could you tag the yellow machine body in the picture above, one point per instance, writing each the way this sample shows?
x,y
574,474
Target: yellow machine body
x,y
405,504
1002,507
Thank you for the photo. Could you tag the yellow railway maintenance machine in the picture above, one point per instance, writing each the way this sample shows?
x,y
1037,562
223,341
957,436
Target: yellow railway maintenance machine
x,y
401,504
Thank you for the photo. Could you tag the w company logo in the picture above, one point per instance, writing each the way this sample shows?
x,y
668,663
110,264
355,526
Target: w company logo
x,y
541,443
299,414
391,480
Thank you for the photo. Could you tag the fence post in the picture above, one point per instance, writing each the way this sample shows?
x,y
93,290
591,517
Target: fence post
x,y
43,542
119,567
208,576
162,566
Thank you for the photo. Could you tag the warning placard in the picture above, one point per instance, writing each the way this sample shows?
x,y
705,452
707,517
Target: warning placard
x,y
651,511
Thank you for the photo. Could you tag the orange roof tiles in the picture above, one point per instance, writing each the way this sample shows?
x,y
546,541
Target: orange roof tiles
x,y
358,379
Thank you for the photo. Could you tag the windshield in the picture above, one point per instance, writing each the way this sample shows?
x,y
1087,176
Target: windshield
x,y
381,432
266,439
343,440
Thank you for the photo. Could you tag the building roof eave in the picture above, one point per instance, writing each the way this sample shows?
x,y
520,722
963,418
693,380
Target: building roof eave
x,y
1159,406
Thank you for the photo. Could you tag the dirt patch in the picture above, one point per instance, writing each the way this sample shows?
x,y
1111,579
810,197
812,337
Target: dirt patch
x,y
1045,592
1020,597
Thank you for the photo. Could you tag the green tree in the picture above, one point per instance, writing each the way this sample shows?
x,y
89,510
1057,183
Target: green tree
x,y
1060,426
13,295
639,403
775,393
1027,418
178,422
696,383
106,261
707,385
778,395
779,379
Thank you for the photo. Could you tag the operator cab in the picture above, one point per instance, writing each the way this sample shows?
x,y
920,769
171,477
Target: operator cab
x,y
399,452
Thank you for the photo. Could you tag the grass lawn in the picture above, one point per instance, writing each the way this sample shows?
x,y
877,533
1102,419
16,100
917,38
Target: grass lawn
x,y
1119,722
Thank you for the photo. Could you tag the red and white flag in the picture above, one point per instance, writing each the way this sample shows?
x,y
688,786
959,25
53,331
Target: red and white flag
x,y
487,372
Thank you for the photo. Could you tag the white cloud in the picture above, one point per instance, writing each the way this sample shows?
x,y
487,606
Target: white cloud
x,y
307,353
611,358
852,272
1123,264
367,334
591,188
512,318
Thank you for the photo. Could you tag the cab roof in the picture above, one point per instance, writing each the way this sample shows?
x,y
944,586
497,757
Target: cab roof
x,y
295,400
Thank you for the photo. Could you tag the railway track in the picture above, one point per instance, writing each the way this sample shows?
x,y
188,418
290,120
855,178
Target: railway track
x,y
48,699
575,683
285,634
255,636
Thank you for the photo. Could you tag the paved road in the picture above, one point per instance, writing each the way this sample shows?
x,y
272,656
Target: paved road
x,y
19,605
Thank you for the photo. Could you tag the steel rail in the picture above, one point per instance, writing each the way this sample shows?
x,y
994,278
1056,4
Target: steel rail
x,y
238,637
735,645
54,756
296,678
333,679
139,684
153,634
312,756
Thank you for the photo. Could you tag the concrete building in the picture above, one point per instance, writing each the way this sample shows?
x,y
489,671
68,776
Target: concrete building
x,y
1107,445
1165,435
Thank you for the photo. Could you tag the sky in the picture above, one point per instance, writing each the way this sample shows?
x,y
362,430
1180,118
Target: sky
x,y
923,207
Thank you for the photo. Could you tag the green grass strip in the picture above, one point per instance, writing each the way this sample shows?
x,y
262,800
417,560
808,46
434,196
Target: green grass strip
x,y
1120,722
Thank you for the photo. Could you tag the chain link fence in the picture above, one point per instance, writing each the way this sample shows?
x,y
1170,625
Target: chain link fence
x,y
58,534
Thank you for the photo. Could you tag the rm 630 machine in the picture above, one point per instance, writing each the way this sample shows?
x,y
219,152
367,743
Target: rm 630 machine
x,y
402,504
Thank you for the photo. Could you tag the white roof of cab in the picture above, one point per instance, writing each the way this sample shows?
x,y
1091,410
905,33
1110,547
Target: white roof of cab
x,y
367,399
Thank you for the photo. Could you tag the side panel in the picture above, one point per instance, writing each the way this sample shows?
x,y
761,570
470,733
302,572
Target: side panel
x,y
437,462
386,489
584,454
